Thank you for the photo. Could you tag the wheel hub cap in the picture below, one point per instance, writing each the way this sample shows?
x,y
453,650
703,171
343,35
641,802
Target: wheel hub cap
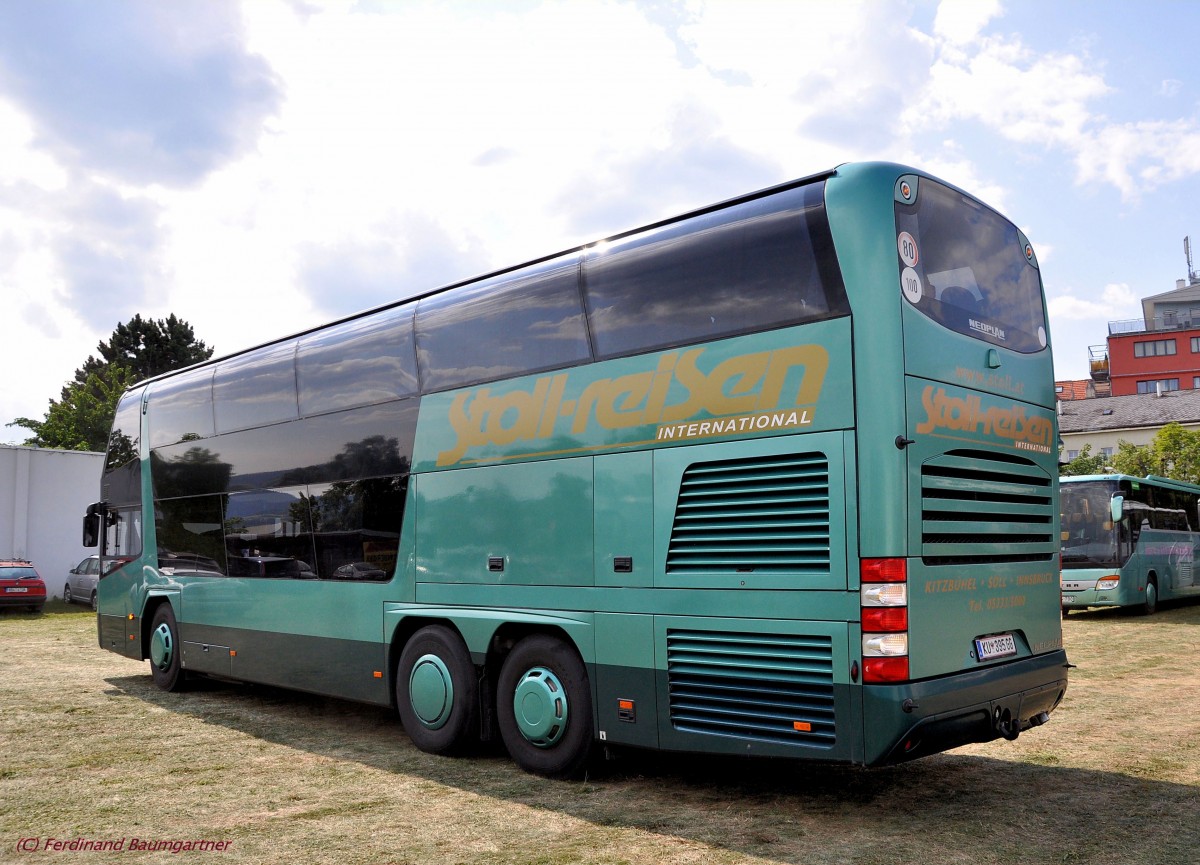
x,y
431,691
161,647
540,706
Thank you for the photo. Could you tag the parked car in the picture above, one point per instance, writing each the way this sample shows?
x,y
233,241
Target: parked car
x,y
81,582
20,585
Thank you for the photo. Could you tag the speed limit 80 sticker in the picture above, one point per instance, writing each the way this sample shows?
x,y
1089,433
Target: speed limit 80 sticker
x,y
910,280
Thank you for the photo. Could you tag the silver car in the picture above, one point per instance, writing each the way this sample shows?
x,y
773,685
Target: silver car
x,y
81,582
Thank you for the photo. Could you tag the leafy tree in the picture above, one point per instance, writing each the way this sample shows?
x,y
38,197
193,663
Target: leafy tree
x,y
1085,464
138,349
1174,453
148,347
80,421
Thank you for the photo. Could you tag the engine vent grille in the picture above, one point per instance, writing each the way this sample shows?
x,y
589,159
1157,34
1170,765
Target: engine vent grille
x,y
763,515
771,687
978,506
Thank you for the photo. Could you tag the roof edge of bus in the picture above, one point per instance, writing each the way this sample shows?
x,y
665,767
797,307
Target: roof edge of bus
x,y
710,208
1118,476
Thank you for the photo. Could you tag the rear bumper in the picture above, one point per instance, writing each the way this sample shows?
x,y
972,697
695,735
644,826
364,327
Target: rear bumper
x,y
27,599
915,719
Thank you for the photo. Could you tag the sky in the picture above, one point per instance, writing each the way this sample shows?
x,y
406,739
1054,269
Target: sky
x,y
259,168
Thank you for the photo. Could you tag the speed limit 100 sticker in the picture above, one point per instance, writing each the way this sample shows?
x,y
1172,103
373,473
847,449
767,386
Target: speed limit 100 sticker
x,y
907,245
910,284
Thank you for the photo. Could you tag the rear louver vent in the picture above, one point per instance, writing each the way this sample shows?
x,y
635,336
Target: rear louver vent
x,y
772,687
766,515
981,507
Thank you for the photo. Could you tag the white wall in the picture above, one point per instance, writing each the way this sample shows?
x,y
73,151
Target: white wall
x,y
43,496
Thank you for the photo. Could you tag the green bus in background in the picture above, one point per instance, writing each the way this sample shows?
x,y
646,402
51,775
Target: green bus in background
x,y
776,477
1128,542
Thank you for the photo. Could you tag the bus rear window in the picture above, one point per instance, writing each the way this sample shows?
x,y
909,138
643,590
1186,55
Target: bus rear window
x,y
969,269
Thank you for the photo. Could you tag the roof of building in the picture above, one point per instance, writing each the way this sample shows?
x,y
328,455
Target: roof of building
x,y
1129,412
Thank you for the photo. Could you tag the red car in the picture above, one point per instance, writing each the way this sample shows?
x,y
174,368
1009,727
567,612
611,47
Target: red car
x,y
20,585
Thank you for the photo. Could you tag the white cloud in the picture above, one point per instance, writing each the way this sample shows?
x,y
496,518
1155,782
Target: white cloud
x,y
958,22
1117,300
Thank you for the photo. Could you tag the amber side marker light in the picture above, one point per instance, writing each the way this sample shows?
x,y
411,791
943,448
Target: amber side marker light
x,y
883,604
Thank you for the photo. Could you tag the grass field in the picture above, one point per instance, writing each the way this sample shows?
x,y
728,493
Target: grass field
x,y
91,751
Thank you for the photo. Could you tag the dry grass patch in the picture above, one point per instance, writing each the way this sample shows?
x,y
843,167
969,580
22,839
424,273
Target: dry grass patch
x,y
92,750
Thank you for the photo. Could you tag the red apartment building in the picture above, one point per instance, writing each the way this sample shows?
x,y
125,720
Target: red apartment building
x,y
1159,352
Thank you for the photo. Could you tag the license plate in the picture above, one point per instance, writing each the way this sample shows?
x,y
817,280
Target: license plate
x,y
16,589
1067,599
1000,646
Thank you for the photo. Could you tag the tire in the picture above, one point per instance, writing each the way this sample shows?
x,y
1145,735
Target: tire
x,y
94,605
67,593
165,650
437,692
1150,601
544,707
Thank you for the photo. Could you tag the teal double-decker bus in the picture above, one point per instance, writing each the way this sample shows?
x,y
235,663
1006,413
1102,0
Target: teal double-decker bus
x,y
1128,542
775,477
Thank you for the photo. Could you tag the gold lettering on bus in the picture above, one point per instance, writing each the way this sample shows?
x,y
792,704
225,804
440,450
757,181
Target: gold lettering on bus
x,y
743,394
966,414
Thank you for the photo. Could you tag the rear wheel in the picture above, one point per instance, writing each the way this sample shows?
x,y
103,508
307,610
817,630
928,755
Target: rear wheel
x,y
93,599
544,707
437,692
164,650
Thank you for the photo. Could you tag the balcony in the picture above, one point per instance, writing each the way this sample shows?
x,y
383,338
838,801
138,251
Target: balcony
x,y
1098,362
1167,321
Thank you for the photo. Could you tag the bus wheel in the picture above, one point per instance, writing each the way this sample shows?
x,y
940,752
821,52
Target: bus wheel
x,y
544,707
1150,603
436,691
165,649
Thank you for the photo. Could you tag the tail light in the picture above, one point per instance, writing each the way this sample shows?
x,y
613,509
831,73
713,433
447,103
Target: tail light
x,y
883,603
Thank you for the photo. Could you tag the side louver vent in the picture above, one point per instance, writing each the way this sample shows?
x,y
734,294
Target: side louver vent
x,y
763,515
771,687
978,506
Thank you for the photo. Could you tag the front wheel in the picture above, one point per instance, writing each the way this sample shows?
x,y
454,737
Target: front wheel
x,y
544,707
436,691
67,593
1150,602
165,650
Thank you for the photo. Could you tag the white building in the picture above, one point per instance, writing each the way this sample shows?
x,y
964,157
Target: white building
x,y
43,496
1135,418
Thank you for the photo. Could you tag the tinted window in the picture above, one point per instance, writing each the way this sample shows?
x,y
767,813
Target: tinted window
x,y
190,535
346,445
365,442
268,533
967,267
256,389
761,264
126,435
181,408
356,526
364,361
522,322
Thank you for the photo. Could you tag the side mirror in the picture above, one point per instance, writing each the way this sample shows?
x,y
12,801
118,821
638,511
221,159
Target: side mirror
x,y
91,523
91,531
1118,506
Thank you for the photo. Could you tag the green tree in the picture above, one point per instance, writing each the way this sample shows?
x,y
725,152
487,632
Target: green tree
x,y
1174,453
80,421
1085,463
138,349
148,347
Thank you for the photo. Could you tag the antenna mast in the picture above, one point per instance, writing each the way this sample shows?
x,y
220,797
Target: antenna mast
x,y
1187,251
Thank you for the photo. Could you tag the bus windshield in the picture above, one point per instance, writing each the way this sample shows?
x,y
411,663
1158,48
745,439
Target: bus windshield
x,y
968,268
1089,536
